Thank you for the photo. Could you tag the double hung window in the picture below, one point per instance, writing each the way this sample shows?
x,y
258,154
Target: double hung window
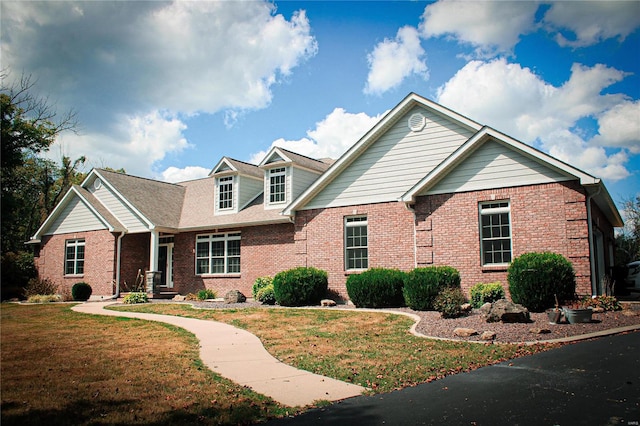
x,y
225,193
355,243
495,233
74,257
218,254
277,185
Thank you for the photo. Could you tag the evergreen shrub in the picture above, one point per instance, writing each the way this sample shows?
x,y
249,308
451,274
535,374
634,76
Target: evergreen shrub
x,y
302,286
81,291
449,302
206,294
535,279
260,283
486,293
376,288
422,285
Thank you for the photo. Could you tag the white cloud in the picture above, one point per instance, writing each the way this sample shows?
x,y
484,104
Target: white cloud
x,y
517,102
592,21
331,138
175,174
488,25
620,127
136,144
393,60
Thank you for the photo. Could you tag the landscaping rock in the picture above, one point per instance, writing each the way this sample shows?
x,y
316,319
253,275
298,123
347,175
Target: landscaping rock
x,y
179,298
327,302
234,296
505,311
628,313
540,330
488,335
466,307
464,332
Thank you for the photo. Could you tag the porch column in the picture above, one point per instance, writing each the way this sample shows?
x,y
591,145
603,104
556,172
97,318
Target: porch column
x,y
153,251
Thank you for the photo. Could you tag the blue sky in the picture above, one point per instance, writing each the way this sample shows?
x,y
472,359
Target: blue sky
x,y
165,89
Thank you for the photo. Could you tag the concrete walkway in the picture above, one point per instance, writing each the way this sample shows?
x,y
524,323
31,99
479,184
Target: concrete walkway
x,y
240,357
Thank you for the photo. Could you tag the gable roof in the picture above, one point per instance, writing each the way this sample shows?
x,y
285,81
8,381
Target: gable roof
x,y
159,203
277,155
77,192
229,164
409,102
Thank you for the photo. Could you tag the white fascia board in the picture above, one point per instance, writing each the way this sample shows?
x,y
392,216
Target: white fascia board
x,y
475,142
72,192
222,161
370,137
150,224
274,150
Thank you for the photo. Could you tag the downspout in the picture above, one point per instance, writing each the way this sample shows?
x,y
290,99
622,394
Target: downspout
x,y
118,259
592,260
415,238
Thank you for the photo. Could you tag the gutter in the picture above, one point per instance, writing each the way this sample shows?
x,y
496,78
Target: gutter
x,y
592,260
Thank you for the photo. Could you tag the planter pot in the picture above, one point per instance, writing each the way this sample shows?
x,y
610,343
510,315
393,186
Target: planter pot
x,y
554,316
577,316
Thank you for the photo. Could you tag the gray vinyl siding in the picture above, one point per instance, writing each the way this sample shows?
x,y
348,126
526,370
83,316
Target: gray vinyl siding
x,y
300,180
75,217
394,162
131,221
494,165
248,190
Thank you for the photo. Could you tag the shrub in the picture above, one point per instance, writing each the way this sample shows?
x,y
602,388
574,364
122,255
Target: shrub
x,y
206,293
266,295
44,298
422,285
16,271
37,286
376,288
135,297
300,286
608,303
260,283
536,278
486,293
81,291
449,301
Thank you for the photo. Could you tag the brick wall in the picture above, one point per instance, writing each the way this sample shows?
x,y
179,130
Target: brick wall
x,y
135,256
265,251
550,217
99,263
319,239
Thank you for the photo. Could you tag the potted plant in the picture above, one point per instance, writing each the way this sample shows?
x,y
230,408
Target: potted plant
x,y
576,312
555,314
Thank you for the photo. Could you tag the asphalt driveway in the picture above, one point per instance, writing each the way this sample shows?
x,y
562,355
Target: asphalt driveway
x,y
594,382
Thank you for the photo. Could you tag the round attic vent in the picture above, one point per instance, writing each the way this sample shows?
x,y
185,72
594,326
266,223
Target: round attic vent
x,y
97,184
417,122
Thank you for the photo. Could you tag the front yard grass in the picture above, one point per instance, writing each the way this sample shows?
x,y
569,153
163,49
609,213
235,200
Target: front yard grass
x,y
63,367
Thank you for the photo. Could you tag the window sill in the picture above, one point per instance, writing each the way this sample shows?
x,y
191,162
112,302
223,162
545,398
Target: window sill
x,y
219,275
74,276
355,271
495,268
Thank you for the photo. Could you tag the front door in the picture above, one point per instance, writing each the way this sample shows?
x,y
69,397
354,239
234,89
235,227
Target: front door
x,y
165,264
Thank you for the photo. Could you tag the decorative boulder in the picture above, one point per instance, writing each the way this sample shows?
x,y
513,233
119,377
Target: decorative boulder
x,y
234,296
327,302
488,335
464,332
505,311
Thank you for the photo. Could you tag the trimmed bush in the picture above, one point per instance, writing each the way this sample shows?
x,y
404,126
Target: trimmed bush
x,y
449,302
376,288
301,286
536,278
81,291
422,285
135,297
260,283
205,294
486,293
266,295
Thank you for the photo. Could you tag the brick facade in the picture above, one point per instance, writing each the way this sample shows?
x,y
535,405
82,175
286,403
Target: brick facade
x,y
99,262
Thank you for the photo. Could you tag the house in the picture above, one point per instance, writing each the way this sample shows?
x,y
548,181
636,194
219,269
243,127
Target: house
x,y
424,186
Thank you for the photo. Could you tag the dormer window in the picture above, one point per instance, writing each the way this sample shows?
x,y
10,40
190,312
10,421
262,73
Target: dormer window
x,y
225,193
277,185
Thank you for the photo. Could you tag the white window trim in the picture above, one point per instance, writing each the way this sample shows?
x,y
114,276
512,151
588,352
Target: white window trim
x,y
224,180
482,210
209,238
349,222
277,171
76,242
